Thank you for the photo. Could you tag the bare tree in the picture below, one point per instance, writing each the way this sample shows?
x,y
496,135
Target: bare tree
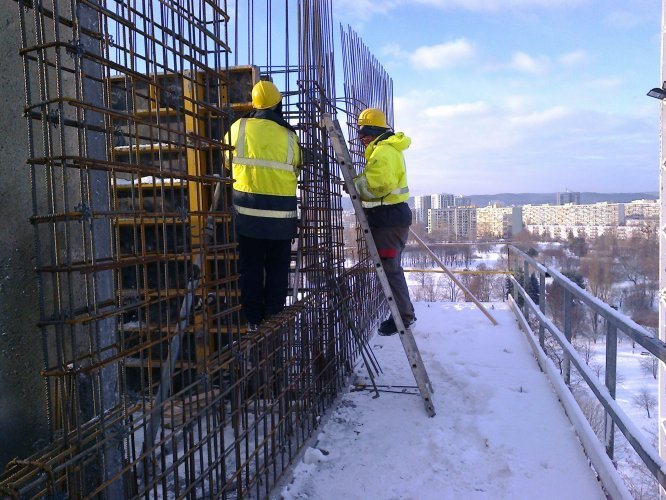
x,y
498,287
648,318
639,261
597,368
578,245
555,305
650,366
553,256
641,483
467,254
597,269
593,411
639,480
584,348
480,284
525,240
421,230
453,293
645,399
553,350
428,289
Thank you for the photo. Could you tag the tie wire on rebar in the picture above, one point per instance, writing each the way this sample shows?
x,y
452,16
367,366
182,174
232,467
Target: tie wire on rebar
x,y
153,385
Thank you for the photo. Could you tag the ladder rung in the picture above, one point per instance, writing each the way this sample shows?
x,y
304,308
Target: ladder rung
x,y
406,337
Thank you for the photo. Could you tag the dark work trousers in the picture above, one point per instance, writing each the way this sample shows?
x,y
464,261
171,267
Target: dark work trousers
x,y
390,243
264,280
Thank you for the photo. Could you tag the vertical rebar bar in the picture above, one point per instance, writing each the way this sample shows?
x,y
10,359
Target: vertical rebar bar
x,y
154,386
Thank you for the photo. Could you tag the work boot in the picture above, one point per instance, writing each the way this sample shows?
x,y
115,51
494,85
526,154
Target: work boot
x,y
388,327
387,323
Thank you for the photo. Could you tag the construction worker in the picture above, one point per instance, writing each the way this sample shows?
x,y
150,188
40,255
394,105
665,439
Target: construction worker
x,y
383,189
265,166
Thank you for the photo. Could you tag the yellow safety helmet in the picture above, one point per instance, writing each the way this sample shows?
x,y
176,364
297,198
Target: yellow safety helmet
x,y
265,95
372,117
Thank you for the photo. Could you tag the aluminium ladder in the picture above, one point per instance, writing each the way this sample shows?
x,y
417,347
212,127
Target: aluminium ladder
x,y
408,343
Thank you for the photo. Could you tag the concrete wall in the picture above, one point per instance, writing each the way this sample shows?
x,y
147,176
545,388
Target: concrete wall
x,y
23,425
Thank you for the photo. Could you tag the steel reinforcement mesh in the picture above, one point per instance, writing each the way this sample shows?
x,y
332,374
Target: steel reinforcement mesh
x,y
154,387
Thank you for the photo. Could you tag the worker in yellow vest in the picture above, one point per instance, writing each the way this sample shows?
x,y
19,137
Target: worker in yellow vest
x,y
265,166
384,192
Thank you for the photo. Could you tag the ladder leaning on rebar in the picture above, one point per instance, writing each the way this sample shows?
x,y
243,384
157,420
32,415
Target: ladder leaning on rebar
x,y
409,344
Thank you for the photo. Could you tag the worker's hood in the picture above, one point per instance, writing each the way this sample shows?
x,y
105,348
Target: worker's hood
x,y
396,140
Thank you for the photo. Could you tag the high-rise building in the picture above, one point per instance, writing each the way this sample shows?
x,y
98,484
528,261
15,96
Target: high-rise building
x,y
568,197
441,200
499,222
421,206
461,201
453,223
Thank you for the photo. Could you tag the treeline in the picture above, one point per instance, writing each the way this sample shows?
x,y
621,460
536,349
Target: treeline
x,y
623,273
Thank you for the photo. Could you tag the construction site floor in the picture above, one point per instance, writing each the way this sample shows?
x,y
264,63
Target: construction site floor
x,y
499,431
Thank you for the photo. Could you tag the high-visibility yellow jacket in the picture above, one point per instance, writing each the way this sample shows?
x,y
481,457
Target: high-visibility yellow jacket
x,y
384,178
265,166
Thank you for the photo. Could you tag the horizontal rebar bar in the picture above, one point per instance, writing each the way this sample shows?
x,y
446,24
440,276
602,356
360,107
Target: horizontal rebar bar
x,y
154,385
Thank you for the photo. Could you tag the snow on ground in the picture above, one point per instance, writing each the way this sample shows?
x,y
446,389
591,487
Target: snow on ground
x,y
499,431
632,380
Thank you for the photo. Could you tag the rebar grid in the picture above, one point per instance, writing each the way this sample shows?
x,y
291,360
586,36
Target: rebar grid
x,y
154,388
366,84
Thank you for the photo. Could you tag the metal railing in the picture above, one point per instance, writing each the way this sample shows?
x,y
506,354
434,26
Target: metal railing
x,y
537,320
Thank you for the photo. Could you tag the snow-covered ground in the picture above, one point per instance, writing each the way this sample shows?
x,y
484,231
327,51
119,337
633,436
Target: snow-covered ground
x,y
499,431
632,379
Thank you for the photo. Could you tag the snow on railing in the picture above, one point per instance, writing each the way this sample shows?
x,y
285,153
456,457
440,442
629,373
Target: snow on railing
x,y
605,394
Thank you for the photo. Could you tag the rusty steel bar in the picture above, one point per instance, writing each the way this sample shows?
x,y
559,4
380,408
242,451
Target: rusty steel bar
x,y
366,84
153,386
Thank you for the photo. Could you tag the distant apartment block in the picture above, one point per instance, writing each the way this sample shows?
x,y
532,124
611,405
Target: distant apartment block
x,y
421,206
589,232
349,219
453,223
499,222
597,214
568,197
461,201
642,210
455,219
591,221
441,200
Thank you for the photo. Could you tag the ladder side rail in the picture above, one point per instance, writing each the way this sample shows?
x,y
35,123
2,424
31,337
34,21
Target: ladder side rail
x,y
406,337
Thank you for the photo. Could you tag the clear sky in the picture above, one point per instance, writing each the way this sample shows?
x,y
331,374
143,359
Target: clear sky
x,y
520,95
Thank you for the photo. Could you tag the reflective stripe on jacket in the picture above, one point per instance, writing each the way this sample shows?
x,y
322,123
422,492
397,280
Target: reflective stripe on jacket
x,y
384,178
265,169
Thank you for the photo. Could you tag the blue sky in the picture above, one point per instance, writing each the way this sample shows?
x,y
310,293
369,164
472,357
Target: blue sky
x,y
520,95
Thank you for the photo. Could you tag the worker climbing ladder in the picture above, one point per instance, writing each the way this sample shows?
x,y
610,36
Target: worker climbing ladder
x,y
409,344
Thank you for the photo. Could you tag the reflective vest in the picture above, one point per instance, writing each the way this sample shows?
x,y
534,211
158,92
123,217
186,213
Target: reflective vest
x,y
384,178
265,169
